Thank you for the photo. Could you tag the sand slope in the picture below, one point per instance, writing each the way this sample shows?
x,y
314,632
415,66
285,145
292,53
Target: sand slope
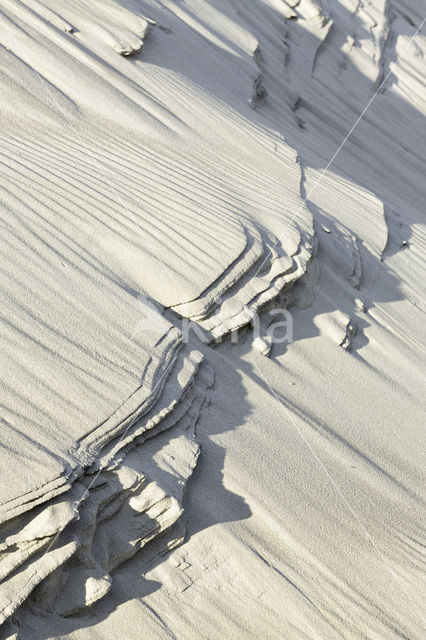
x,y
164,161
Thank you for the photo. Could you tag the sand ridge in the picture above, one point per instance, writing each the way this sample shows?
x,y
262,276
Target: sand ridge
x,y
164,161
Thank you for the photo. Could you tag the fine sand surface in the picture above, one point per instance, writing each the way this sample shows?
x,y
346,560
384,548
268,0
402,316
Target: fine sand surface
x,y
212,318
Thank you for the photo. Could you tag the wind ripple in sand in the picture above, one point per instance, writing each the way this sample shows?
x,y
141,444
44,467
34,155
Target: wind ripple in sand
x,y
160,178
106,202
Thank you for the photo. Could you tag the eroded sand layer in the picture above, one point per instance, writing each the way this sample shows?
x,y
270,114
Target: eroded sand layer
x,y
166,161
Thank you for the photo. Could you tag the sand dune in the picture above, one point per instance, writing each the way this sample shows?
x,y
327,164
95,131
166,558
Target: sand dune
x,y
173,173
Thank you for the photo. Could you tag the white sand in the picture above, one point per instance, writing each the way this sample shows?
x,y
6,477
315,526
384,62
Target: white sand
x,y
172,161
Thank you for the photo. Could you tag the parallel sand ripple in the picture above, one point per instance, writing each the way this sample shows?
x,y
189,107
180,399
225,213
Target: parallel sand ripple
x,y
106,516
161,177
42,539
117,188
